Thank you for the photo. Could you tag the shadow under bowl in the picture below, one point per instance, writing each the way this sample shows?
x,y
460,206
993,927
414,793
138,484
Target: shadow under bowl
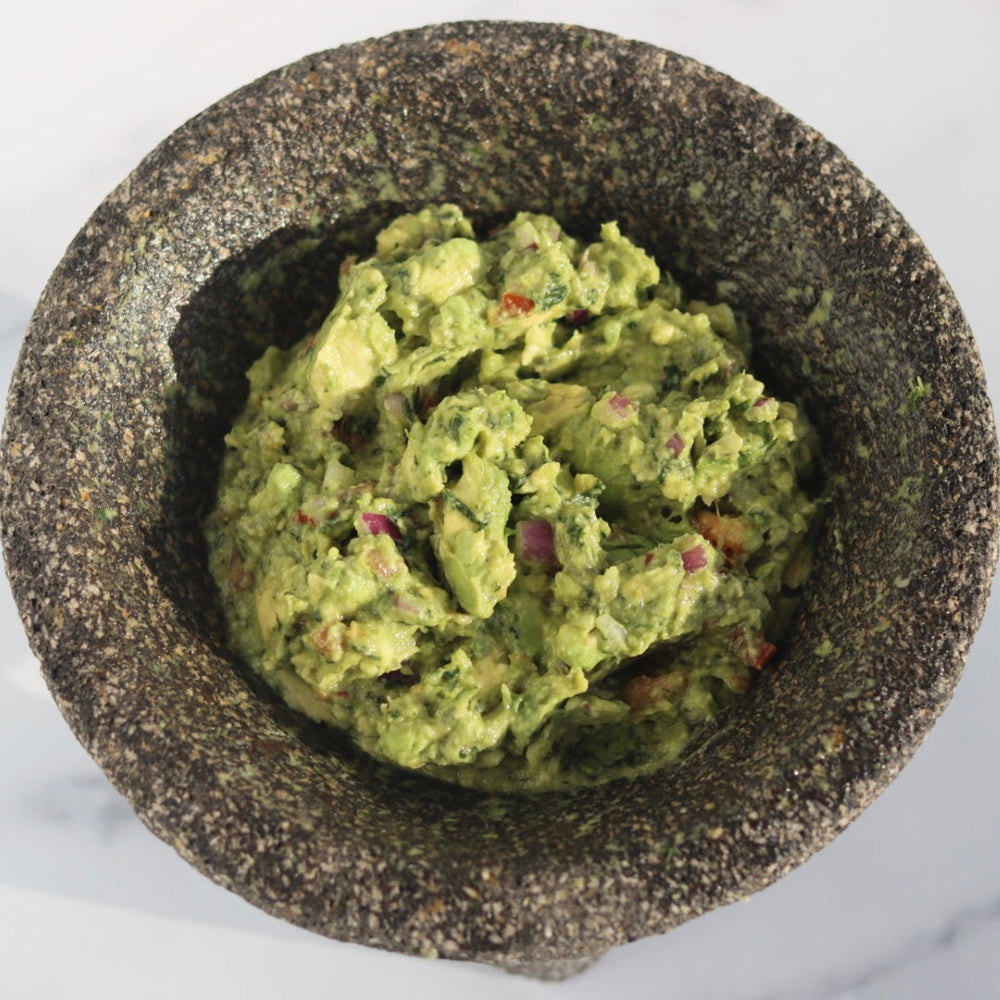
x,y
228,237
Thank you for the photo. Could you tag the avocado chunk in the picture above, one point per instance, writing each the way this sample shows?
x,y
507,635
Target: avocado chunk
x,y
470,536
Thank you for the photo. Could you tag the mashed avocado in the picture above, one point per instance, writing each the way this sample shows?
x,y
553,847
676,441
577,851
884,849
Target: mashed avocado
x,y
515,515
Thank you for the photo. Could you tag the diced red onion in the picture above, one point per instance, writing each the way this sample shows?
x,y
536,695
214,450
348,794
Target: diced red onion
x,y
676,444
534,542
694,559
621,406
380,524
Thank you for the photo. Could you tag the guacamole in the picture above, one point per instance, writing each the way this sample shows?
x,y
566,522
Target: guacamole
x,y
517,515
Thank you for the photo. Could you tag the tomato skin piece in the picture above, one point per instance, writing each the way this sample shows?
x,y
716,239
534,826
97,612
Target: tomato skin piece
x,y
752,648
765,652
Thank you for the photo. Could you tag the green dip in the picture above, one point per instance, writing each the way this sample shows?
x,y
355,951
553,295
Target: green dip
x,y
515,516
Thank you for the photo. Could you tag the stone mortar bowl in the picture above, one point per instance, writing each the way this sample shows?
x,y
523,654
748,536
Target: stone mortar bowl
x,y
228,236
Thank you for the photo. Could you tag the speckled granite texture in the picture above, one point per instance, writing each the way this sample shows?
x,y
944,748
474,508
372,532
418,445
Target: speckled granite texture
x,y
228,236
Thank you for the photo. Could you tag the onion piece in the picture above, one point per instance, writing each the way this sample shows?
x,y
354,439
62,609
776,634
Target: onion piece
x,y
612,630
535,542
380,524
621,406
694,559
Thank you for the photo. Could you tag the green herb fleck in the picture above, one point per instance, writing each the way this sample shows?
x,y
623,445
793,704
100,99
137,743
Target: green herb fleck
x,y
917,392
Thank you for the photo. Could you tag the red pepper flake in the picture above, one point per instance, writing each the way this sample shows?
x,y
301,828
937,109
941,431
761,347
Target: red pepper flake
x,y
532,246
380,524
512,304
577,317
694,559
301,517
762,401
675,443
647,560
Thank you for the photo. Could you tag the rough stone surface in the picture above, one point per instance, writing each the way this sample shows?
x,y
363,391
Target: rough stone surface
x,y
228,236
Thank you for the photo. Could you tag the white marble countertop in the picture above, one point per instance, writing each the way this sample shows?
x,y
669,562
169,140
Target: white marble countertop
x,y
906,903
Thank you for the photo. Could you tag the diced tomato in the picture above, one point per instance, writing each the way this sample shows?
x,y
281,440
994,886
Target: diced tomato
x,y
752,648
643,691
512,304
727,534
